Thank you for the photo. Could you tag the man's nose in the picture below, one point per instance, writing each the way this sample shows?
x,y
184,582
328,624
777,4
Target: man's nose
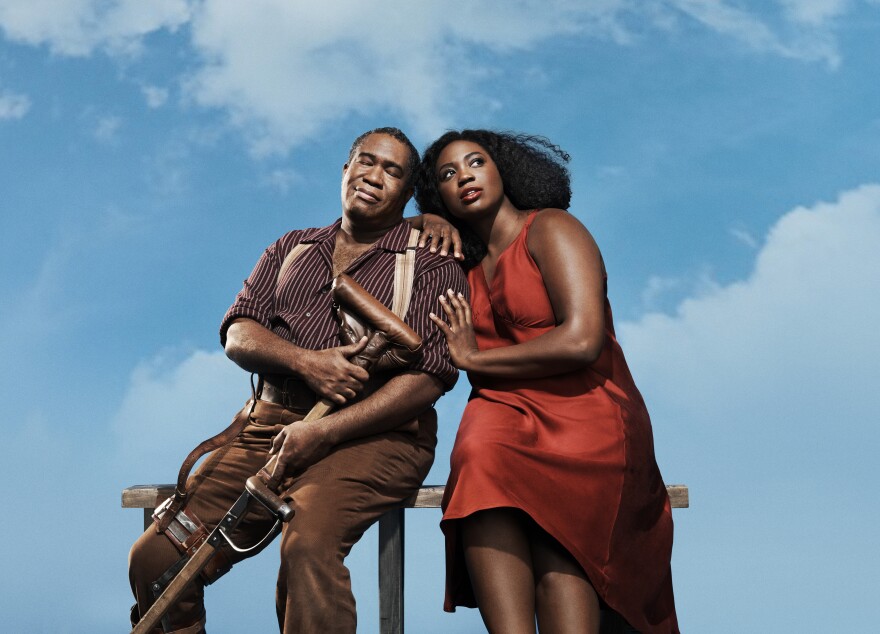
x,y
374,176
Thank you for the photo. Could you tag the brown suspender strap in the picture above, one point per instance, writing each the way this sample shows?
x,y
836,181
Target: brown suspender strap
x,y
404,273
295,252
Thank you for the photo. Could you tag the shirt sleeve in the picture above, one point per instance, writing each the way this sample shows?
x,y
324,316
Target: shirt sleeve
x,y
429,284
256,299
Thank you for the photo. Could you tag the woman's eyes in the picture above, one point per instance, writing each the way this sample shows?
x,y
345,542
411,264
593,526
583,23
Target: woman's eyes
x,y
447,173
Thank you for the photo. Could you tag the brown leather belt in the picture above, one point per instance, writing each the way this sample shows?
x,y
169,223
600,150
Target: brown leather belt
x,y
287,391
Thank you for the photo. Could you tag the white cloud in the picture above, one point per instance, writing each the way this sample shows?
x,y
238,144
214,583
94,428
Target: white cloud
x,y
107,128
78,27
743,236
43,295
407,57
815,12
170,406
284,71
787,350
55,287
656,288
813,44
282,179
13,105
609,172
764,400
156,97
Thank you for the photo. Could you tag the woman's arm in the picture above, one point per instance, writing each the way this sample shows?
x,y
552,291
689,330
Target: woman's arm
x,y
573,273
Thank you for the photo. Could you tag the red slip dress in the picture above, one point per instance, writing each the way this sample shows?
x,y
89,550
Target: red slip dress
x,y
574,451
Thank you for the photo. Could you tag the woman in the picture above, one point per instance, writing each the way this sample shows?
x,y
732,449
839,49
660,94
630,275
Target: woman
x,y
554,504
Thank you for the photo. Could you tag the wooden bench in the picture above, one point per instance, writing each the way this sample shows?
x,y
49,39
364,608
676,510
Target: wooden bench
x,y
391,526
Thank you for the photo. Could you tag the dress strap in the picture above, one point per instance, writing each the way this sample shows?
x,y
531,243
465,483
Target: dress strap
x,y
532,214
524,232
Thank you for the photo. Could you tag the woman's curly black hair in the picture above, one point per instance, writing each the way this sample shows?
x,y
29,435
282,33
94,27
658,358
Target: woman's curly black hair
x,y
532,169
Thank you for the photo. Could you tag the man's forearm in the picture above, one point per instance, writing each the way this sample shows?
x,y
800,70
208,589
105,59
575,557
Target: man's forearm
x,y
401,399
256,349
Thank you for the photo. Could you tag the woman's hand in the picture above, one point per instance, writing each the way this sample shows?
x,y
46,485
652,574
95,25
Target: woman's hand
x,y
439,234
459,332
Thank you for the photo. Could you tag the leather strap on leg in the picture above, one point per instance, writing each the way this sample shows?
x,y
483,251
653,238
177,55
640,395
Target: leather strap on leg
x,y
215,442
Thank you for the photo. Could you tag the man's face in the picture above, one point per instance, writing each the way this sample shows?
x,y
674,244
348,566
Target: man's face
x,y
374,182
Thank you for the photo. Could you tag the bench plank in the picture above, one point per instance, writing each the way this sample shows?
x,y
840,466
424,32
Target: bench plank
x,y
149,496
391,546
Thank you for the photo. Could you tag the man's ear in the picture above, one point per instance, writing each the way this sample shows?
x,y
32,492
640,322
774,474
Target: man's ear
x,y
344,167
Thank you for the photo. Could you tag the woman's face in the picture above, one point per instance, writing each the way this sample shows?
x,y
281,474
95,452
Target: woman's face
x,y
468,180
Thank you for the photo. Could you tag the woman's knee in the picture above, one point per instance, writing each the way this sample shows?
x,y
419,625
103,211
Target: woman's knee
x,y
469,450
497,521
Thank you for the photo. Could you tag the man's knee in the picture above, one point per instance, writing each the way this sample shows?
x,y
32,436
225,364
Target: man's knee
x,y
150,556
300,550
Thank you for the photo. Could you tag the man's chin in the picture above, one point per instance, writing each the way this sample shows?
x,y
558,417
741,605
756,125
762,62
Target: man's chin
x,y
373,215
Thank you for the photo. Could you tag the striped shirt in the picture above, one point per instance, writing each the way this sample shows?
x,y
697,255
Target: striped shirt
x,y
298,306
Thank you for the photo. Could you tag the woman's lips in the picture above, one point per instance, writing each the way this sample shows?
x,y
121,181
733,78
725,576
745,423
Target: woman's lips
x,y
470,194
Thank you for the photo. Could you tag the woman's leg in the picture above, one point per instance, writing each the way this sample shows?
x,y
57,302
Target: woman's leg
x,y
564,598
499,561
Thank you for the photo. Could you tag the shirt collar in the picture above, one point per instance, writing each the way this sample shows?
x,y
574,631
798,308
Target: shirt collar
x,y
321,234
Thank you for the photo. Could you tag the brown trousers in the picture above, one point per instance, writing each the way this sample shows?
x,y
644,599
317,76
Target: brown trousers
x,y
335,501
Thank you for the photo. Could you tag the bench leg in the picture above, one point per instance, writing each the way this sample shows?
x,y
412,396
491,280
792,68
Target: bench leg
x,y
391,572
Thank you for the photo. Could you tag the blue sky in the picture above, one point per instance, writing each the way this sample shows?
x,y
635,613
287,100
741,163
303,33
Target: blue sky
x,y
726,156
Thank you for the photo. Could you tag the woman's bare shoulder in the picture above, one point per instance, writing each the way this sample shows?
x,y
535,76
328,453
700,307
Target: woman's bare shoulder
x,y
554,226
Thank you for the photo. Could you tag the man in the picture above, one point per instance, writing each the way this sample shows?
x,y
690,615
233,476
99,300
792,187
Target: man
x,y
345,470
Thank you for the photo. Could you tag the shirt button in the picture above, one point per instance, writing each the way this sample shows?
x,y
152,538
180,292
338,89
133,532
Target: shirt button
x,y
308,314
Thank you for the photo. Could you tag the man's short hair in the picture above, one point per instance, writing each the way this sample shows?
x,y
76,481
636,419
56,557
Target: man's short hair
x,y
396,133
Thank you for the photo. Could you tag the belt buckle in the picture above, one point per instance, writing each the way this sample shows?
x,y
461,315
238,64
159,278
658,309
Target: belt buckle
x,y
286,396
